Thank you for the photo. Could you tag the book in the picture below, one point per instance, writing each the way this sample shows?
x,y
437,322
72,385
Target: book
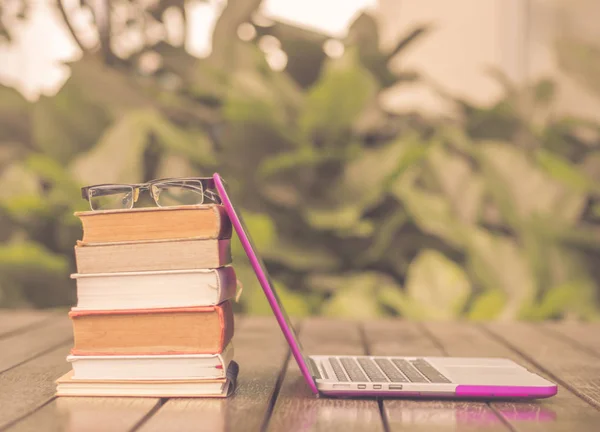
x,y
152,367
155,223
152,256
155,289
194,330
221,387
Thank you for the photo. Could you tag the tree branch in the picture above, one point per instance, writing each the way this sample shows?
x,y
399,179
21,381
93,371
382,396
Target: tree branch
x,y
65,18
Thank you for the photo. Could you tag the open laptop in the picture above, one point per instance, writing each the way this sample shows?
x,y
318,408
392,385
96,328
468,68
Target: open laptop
x,y
352,376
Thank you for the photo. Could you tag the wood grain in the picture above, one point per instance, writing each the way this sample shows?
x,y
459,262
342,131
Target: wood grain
x,y
31,384
563,412
583,335
297,409
21,347
87,414
573,367
12,321
393,337
260,350
34,347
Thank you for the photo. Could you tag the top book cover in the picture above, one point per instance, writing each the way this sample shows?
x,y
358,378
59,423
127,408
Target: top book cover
x,y
155,223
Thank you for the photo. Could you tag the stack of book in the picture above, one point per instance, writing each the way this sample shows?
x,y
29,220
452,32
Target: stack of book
x,y
153,316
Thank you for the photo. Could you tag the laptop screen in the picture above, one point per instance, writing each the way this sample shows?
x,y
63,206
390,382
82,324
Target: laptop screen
x,y
265,281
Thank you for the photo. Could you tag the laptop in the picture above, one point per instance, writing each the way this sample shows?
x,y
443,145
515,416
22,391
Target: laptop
x,y
389,376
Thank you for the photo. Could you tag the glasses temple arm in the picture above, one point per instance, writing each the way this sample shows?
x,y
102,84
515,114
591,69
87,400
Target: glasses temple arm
x,y
104,192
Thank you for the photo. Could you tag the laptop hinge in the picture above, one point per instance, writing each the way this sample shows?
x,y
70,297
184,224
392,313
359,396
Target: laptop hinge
x,y
314,369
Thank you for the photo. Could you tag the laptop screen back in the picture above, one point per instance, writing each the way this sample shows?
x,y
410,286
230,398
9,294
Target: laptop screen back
x,y
265,281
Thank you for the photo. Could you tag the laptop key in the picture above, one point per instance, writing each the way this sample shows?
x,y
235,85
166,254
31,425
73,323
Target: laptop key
x,y
337,369
409,371
351,367
371,370
390,370
429,371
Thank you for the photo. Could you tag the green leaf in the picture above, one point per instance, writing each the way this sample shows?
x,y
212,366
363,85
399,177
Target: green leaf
x,y
438,285
462,186
432,214
498,264
336,100
255,302
263,97
487,306
346,221
575,299
252,298
263,233
17,179
544,91
355,295
21,195
69,122
118,156
54,173
31,273
194,145
15,117
303,258
521,189
352,302
295,304
17,258
397,300
301,158
562,170
367,176
27,208
383,238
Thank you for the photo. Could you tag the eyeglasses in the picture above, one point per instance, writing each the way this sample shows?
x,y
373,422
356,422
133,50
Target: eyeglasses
x,y
165,193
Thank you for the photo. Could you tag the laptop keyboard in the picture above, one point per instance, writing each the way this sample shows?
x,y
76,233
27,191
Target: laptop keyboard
x,y
364,369
354,372
429,371
337,370
390,371
371,369
411,373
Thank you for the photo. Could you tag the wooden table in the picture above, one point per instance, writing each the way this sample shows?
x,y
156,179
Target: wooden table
x,y
272,396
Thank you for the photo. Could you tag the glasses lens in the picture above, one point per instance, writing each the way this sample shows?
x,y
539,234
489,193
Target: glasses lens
x,y
111,197
181,192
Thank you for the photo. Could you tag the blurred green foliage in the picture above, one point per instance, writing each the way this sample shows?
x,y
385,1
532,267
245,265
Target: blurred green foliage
x,y
358,212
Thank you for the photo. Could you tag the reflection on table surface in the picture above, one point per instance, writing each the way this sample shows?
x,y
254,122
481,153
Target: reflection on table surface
x,y
310,413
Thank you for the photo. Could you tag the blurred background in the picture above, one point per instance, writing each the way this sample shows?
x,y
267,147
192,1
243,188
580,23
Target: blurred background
x,y
428,159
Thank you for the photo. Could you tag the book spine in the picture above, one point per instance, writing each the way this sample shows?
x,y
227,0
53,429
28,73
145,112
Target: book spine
x,y
225,228
225,312
227,283
225,252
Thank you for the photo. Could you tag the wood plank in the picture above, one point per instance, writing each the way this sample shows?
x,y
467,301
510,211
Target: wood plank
x,y
574,368
563,412
583,335
31,384
260,350
401,338
87,414
90,414
12,321
298,409
21,347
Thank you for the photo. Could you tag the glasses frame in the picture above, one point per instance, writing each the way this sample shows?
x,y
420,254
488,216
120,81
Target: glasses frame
x,y
207,183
